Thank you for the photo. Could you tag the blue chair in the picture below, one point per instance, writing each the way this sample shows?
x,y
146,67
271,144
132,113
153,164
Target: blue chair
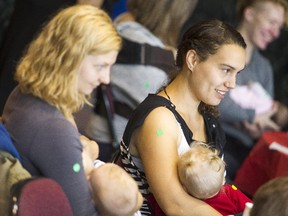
x,y
6,143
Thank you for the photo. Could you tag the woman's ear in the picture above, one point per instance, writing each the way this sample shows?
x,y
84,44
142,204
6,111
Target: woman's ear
x,y
249,14
191,59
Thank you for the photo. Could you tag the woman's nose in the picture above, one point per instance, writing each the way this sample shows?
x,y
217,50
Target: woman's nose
x,y
231,83
105,78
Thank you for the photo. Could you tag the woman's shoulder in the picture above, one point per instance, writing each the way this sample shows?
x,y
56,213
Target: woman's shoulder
x,y
153,101
28,111
153,106
31,108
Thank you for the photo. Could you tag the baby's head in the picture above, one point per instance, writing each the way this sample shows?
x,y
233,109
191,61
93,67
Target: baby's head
x,y
201,171
115,191
271,198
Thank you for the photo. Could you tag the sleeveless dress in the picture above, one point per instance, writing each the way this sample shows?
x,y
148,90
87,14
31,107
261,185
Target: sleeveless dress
x,y
215,134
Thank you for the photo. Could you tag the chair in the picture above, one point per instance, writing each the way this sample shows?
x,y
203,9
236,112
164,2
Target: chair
x,y
39,196
6,143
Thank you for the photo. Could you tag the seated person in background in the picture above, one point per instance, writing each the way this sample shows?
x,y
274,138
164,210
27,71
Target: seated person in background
x,y
271,198
202,173
114,191
260,22
71,56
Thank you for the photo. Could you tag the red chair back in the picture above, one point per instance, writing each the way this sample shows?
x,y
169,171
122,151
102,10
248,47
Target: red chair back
x,y
39,197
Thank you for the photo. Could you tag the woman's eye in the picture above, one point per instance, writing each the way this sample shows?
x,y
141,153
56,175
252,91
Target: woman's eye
x,y
100,67
226,70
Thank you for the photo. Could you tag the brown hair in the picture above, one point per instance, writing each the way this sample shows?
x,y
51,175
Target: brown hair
x,y
271,198
164,18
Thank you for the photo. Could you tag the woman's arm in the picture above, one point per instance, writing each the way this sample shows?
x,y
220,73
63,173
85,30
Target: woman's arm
x,y
157,144
57,153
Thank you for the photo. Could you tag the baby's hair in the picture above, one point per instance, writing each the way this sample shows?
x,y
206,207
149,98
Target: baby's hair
x,y
201,170
115,191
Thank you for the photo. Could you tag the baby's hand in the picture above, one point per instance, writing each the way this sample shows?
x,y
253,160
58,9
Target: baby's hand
x,y
90,146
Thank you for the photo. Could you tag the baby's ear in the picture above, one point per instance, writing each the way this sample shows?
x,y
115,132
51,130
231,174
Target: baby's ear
x,y
224,181
184,187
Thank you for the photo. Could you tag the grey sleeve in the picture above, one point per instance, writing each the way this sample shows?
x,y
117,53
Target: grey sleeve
x,y
264,72
268,78
57,151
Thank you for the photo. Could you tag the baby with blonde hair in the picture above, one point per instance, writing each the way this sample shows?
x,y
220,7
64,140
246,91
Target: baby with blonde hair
x,y
202,173
201,170
114,191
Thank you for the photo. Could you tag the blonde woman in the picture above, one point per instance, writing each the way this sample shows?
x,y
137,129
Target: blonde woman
x,y
71,56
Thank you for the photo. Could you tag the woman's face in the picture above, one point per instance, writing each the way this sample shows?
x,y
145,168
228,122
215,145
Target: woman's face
x,y
265,22
214,77
95,70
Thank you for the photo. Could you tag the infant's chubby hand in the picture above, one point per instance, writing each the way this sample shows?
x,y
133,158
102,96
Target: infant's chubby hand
x,y
90,146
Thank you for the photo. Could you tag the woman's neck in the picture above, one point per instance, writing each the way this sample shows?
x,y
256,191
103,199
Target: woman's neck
x,y
181,96
250,46
71,119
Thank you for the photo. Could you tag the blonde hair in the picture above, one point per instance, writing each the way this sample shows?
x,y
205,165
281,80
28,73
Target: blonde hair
x,y
201,170
243,4
161,16
115,191
50,67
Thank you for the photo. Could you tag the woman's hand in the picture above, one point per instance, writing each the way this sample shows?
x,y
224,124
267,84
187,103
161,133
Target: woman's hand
x,y
262,122
281,116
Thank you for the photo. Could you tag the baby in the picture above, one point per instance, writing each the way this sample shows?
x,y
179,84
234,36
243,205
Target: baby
x,y
115,192
202,174
252,96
